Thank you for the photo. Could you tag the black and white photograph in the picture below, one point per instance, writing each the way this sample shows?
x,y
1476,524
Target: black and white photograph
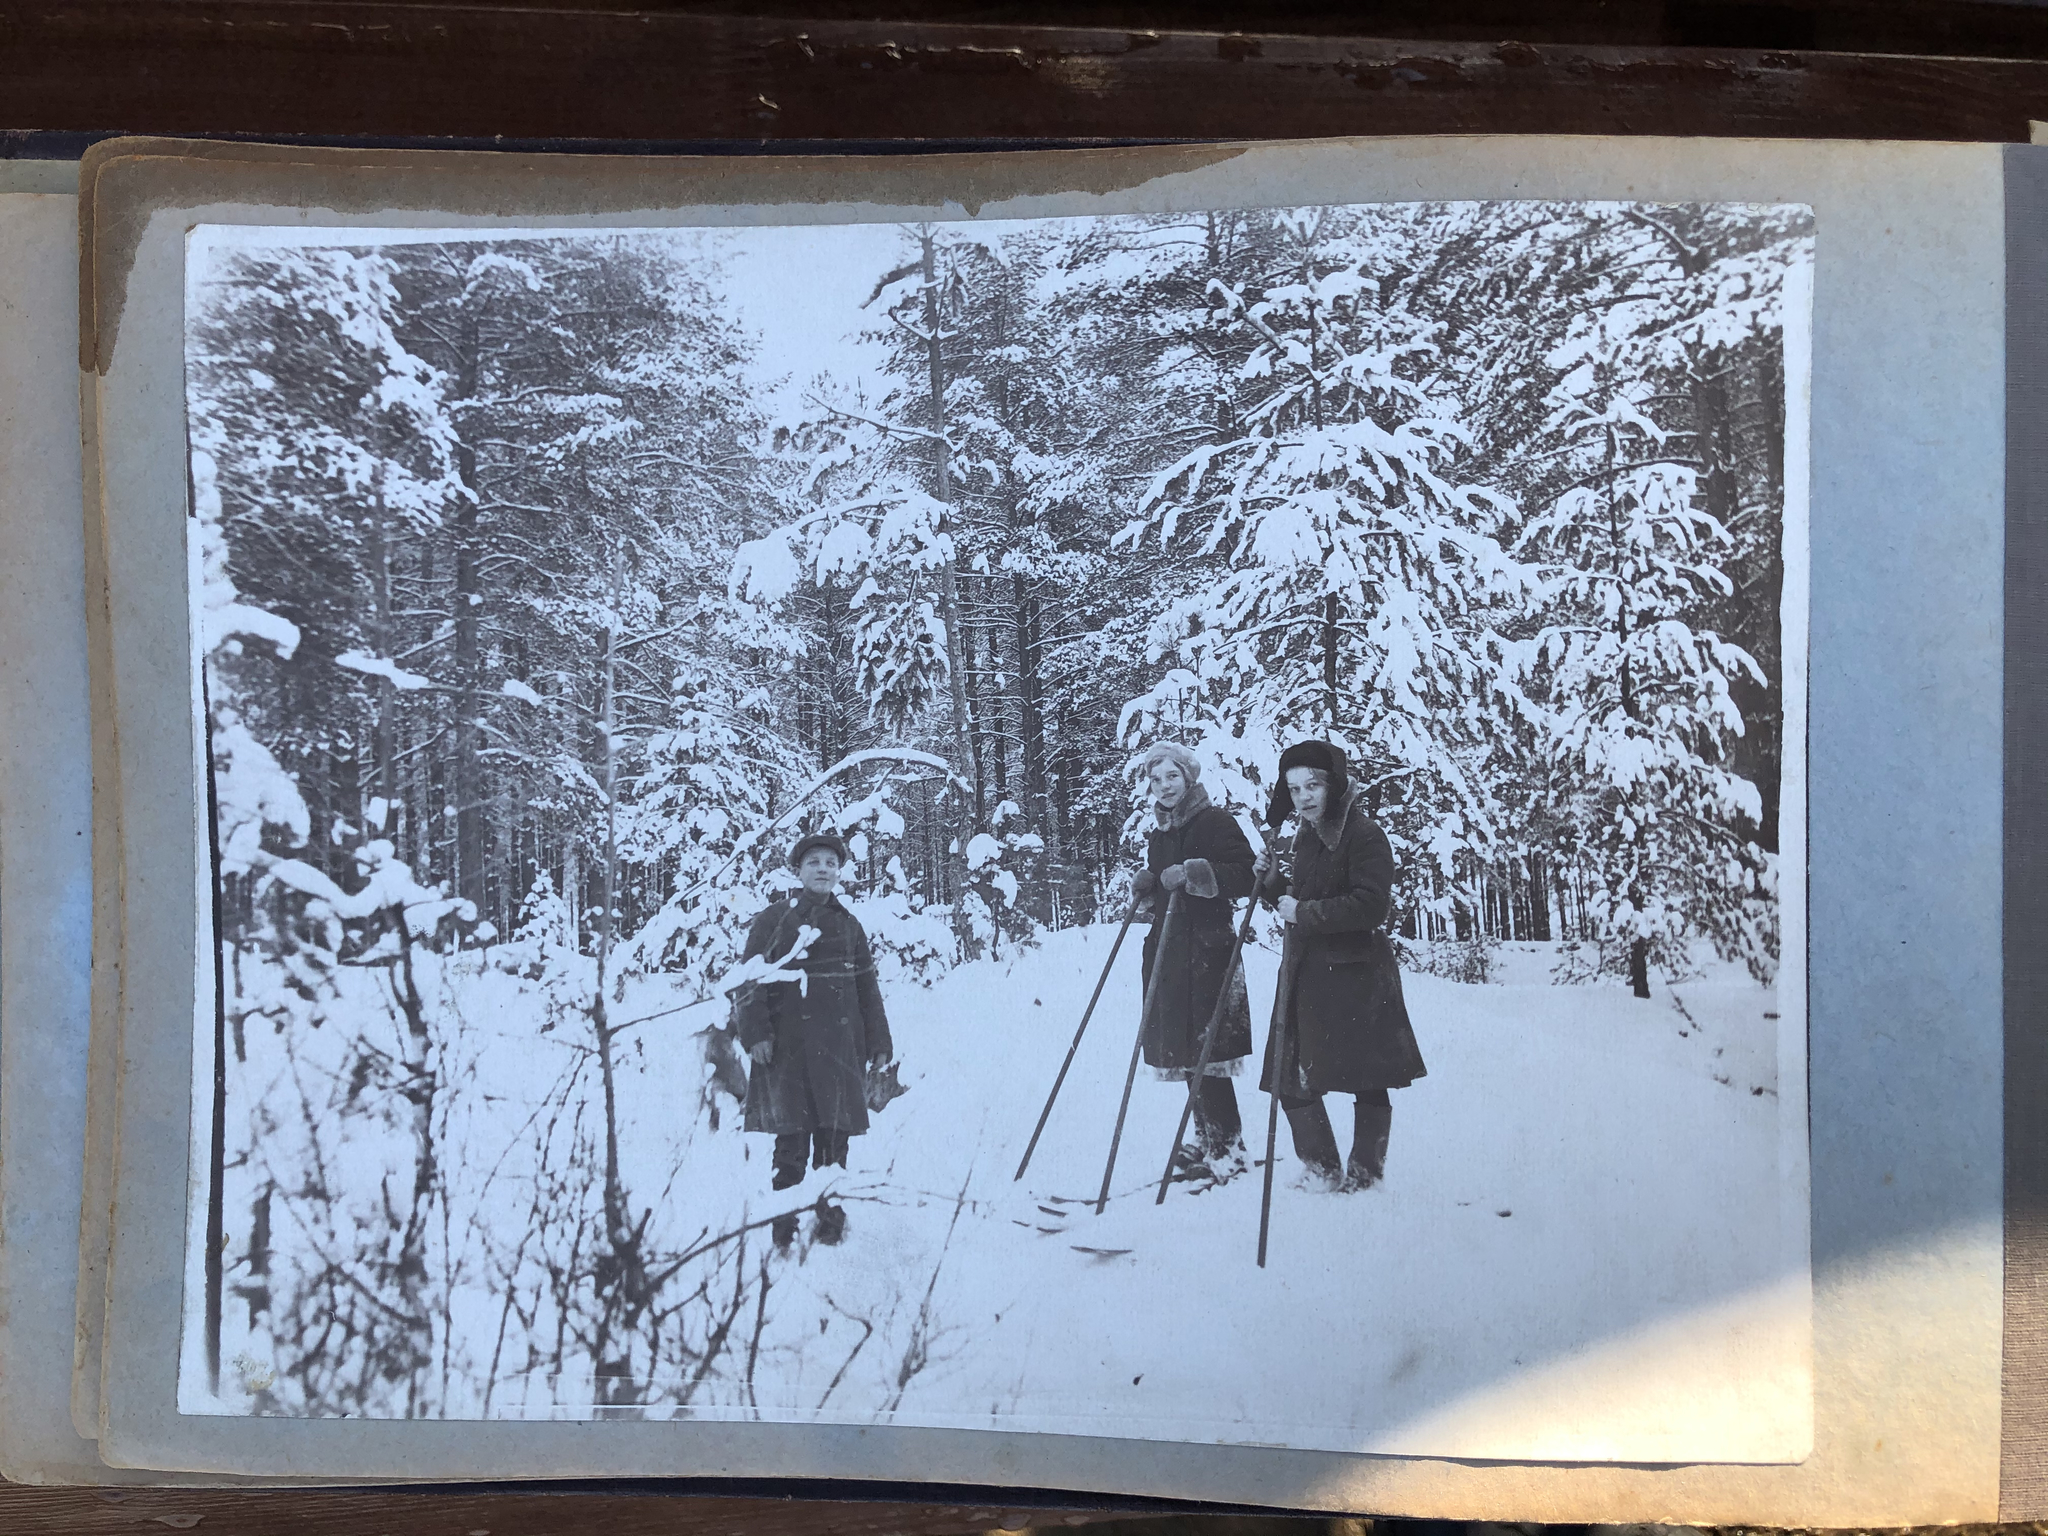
x,y
1184,826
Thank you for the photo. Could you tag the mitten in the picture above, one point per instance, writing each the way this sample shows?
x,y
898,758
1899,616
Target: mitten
x,y
1200,876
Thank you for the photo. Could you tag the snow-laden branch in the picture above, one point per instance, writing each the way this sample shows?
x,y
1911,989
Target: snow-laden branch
x,y
379,666
922,434
908,269
1287,353
905,755
757,970
1689,259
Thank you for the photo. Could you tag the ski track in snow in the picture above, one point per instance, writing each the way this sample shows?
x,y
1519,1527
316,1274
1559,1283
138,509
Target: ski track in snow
x,y
1573,1164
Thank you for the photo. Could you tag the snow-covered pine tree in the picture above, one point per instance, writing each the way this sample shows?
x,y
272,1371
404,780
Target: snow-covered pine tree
x,y
878,509
1068,388
1680,507
1636,701
598,392
1356,588
889,545
697,799
329,446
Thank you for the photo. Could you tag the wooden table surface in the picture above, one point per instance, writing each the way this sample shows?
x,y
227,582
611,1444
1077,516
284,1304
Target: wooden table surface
x,y
681,73
375,1512
503,1512
824,74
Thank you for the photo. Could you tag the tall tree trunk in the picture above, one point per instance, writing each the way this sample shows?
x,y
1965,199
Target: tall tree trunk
x,y
421,1084
381,767
1639,967
1330,660
1060,788
1621,624
995,713
1758,754
608,676
974,668
621,1281
466,786
1030,704
345,773
1711,446
1639,947
965,764
422,778
572,886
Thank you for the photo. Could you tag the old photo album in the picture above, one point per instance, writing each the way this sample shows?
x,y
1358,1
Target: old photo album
x,y
1166,822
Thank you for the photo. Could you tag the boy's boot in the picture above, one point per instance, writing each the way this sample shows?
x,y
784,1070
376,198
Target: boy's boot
x,y
790,1152
831,1225
788,1167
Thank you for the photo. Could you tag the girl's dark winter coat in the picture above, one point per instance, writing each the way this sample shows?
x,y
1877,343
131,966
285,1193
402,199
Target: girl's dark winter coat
x,y
1338,1008
825,1033
1198,950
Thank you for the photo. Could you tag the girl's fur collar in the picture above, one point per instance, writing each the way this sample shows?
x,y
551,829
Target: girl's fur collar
x,y
1192,804
1330,830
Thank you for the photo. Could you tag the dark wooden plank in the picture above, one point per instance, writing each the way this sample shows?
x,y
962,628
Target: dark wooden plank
x,y
1955,28
383,1512
339,68
1963,28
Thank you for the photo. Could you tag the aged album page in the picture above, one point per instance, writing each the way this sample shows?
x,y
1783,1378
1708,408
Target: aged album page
x,y
46,833
687,675
45,827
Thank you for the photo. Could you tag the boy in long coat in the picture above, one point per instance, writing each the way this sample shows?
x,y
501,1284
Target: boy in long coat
x,y
1340,1024
812,1044
1198,850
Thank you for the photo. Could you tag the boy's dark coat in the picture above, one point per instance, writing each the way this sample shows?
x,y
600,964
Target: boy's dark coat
x,y
825,1033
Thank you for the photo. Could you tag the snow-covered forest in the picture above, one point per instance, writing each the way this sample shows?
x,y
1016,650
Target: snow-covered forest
x,y
551,586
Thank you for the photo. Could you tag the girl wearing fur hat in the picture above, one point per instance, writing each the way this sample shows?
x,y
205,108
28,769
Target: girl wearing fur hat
x,y
812,1045
1198,850
1340,1024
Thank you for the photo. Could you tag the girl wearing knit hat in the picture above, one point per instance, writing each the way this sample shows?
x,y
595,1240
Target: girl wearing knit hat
x,y
1196,849
1340,1024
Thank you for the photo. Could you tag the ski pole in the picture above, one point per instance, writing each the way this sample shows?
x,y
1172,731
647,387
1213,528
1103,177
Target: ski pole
x,y
1144,1018
1244,932
1273,1104
1272,1136
1087,1013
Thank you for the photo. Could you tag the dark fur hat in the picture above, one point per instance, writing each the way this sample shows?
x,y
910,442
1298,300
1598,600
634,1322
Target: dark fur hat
x,y
831,840
1307,754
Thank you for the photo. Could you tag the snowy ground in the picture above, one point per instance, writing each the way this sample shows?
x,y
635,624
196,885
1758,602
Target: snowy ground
x,y
1580,1172
1576,1163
